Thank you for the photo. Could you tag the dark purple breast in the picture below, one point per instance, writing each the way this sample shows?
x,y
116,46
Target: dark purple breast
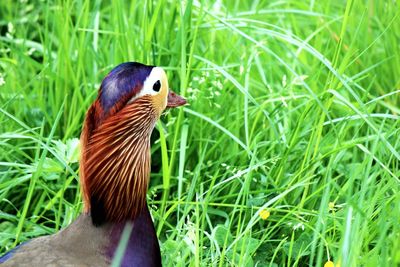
x,y
142,249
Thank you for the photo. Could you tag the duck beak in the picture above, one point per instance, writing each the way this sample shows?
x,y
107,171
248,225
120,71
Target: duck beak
x,y
174,100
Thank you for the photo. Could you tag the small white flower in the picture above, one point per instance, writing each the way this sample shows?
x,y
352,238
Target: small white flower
x,y
10,28
216,8
190,236
284,81
241,69
298,226
189,172
284,102
219,85
299,80
2,81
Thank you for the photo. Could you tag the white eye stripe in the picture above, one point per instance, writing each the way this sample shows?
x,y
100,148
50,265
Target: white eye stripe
x,y
155,75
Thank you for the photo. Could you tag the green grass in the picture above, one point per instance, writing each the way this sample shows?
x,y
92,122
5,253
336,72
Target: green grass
x,y
294,108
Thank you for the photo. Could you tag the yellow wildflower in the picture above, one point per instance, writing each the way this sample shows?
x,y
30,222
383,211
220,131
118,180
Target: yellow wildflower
x,y
331,264
264,214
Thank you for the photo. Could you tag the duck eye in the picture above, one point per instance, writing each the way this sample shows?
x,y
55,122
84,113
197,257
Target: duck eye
x,y
157,86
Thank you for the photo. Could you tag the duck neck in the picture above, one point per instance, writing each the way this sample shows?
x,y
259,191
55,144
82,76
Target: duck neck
x,y
115,165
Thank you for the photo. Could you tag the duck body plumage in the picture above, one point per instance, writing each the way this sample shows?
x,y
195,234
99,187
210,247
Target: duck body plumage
x,y
83,244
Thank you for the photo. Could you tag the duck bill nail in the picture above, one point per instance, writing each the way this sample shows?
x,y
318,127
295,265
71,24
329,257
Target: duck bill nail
x,y
174,100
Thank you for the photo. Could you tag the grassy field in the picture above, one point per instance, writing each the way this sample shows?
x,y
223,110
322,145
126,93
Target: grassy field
x,y
288,153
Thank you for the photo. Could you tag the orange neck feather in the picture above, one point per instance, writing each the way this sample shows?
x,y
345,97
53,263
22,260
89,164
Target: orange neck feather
x,y
115,160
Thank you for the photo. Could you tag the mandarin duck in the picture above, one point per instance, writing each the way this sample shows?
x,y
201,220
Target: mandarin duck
x,y
114,174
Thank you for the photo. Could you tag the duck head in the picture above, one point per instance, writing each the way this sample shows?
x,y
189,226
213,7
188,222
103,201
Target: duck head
x,y
115,140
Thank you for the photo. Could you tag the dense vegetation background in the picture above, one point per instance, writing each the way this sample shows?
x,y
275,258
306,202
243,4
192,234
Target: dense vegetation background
x,y
288,154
